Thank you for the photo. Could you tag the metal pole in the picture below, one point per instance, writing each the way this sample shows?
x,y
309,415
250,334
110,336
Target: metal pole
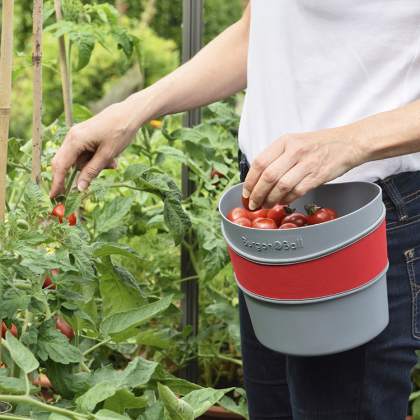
x,y
192,40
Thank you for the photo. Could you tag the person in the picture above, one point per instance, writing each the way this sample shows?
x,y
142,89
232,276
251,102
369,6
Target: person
x,y
333,92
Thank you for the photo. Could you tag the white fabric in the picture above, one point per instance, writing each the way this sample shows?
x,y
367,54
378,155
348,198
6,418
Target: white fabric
x,y
315,64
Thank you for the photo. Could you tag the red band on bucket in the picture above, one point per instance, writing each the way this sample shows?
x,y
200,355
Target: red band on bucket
x,y
341,271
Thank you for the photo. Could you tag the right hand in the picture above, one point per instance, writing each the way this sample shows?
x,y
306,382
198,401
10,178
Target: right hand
x,y
93,144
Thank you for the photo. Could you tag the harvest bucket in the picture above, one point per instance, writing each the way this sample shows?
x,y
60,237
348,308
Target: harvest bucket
x,y
319,289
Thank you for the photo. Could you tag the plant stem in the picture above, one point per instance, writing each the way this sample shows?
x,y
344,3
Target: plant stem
x,y
76,334
11,417
22,285
20,195
192,256
28,319
47,308
96,346
7,205
84,367
28,387
220,356
20,166
71,180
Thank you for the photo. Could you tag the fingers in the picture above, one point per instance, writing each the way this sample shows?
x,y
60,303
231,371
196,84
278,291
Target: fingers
x,y
259,165
288,188
273,175
100,160
62,162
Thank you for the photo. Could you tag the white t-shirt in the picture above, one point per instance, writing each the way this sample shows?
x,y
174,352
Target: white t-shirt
x,y
315,64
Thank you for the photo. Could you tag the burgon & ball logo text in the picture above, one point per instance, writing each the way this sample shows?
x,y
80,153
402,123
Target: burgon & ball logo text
x,y
277,245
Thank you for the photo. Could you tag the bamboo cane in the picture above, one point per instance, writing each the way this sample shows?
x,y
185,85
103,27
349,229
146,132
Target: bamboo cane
x,y
5,93
65,81
37,92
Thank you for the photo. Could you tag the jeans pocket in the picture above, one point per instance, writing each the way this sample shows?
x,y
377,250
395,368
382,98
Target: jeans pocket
x,y
412,258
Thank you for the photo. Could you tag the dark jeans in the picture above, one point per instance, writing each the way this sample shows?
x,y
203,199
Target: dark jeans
x,y
370,382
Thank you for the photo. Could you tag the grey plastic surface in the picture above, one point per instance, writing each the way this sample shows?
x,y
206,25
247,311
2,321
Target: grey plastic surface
x,y
321,327
358,204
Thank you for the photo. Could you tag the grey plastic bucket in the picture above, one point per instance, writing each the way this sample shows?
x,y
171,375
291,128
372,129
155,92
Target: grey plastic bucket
x,y
327,324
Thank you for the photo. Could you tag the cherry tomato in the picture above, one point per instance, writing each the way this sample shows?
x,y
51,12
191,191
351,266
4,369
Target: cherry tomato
x,y
265,224
288,226
237,213
213,173
245,203
332,212
58,211
317,215
243,221
296,218
279,212
48,281
256,220
257,213
64,328
4,329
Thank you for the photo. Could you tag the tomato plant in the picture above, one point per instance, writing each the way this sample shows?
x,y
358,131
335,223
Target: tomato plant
x,y
4,329
213,173
64,328
48,282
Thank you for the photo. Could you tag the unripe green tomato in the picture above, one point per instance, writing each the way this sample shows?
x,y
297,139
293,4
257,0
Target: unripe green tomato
x,y
23,224
228,290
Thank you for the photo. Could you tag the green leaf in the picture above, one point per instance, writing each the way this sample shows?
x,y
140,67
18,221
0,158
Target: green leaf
x,y
47,11
154,412
175,409
100,392
124,399
230,405
13,150
223,110
85,42
60,132
152,338
73,202
13,300
32,237
203,399
21,355
101,249
14,385
137,373
137,170
187,134
227,313
119,324
173,153
216,259
55,345
108,415
32,198
118,288
120,36
112,213
178,386
102,186
64,381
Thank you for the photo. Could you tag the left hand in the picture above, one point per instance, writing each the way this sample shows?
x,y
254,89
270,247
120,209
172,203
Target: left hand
x,y
296,163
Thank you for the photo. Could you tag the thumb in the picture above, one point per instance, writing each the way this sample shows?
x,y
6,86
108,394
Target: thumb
x,y
98,162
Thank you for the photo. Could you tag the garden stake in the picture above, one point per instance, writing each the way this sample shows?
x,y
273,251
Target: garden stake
x,y
65,81
37,92
5,93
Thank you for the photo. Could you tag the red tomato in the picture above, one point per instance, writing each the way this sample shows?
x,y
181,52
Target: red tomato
x,y
58,211
296,218
332,212
4,329
48,281
237,213
265,224
243,221
213,173
279,212
256,220
245,203
64,328
317,215
257,214
288,226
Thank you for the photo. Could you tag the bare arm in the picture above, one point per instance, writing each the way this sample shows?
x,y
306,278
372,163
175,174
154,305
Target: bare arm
x,y
296,163
216,72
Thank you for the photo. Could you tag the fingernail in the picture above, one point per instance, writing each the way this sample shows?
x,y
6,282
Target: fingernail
x,y
83,186
265,207
245,193
252,205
